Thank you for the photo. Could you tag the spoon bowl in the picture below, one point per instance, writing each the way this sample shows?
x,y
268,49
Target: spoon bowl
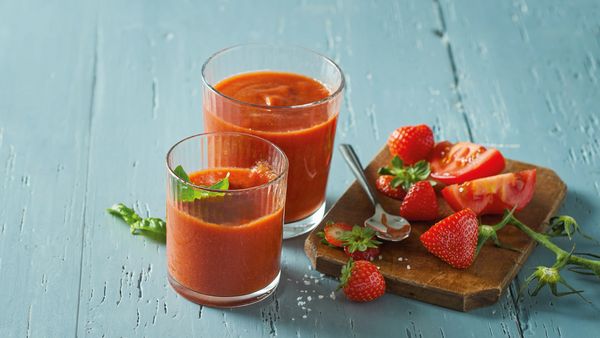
x,y
387,227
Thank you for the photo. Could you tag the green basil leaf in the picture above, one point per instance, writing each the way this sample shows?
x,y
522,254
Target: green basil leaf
x,y
151,224
179,172
154,228
188,194
221,185
124,213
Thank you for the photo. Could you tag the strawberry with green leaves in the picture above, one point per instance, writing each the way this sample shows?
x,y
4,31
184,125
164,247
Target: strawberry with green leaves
x,y
360,243
362,281
403,177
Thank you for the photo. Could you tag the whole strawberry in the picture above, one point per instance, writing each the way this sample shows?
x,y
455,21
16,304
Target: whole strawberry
x,y
384,185
362,281
454,239
360,243
411,143
420,203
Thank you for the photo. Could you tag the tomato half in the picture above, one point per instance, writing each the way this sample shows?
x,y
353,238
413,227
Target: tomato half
x,y
492,195
463,161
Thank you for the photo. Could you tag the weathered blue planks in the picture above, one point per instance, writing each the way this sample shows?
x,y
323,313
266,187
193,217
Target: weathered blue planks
x,y
93,94
44,120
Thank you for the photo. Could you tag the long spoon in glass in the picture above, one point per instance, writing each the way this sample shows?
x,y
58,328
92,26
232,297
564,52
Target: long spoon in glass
x,y
387,226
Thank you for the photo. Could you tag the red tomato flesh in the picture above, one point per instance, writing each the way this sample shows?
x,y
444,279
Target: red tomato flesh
x,y
492,195
464,161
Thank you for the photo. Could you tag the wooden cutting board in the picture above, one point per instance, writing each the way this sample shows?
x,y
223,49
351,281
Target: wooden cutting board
x,y
429,279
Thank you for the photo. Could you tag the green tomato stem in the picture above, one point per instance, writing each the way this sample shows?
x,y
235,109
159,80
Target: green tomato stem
x,y
544,240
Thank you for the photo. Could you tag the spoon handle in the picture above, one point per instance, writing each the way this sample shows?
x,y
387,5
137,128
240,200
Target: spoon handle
x,y
357,169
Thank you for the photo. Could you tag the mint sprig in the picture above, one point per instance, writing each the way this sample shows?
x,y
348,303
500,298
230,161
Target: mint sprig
x,y
186,193
405,176
151,227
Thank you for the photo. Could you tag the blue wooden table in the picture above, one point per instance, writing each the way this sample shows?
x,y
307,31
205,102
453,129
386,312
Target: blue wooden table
x,y
92,94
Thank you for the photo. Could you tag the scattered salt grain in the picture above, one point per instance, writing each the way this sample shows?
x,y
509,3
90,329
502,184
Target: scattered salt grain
x,y
320,296
299,298
380,257
293,318
322,275
408,267
399,259
332,295
309,298
306,282
304,316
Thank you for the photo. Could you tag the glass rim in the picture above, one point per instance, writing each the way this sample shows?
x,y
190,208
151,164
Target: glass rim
x,y
229,191
330,97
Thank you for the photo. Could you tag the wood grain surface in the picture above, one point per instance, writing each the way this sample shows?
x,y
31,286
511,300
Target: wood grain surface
x,y
93,93
411,271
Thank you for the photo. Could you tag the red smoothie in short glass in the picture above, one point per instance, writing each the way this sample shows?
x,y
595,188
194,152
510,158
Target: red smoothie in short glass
x,y
216,253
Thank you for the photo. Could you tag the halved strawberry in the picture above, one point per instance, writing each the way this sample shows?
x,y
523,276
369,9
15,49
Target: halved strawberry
x,y
333,232
454,239
420,203
383,184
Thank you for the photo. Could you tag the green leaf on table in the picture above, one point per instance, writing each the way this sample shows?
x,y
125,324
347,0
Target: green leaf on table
x,y
151,227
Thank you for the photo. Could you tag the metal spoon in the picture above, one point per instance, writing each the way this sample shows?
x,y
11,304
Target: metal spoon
x,y
387,226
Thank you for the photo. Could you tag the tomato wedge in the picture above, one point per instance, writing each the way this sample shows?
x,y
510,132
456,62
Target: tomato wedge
x,y
492,195
463,161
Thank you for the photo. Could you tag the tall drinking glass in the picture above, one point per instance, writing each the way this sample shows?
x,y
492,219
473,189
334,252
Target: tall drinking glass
x,y
305,131
224,246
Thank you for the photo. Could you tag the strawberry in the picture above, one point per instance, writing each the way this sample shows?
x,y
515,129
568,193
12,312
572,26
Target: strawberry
x,y
367,255
360,243
454,239
420,203
411,143
404,176
362,281
383,184
333,232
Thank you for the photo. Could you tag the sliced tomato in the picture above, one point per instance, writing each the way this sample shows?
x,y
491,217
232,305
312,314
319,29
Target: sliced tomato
x,y
464,161
492,195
